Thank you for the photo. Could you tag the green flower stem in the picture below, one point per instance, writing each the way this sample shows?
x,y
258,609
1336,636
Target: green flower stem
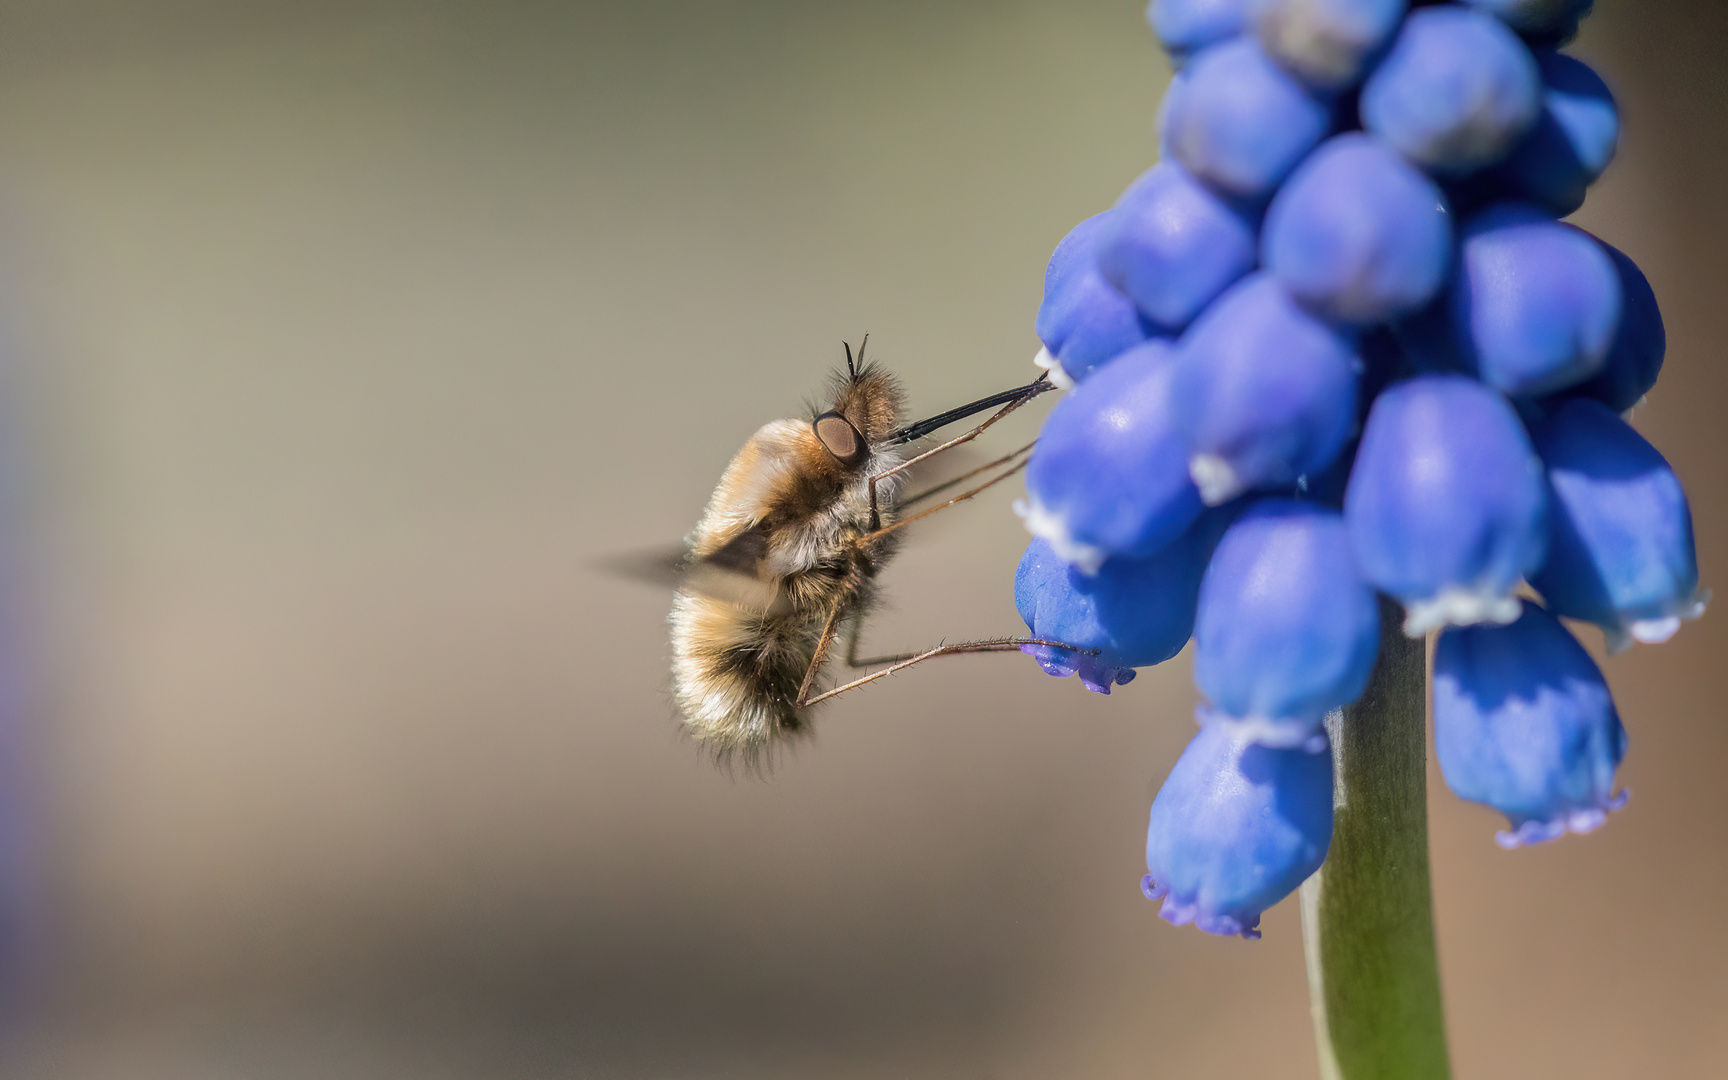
x,y
1367,915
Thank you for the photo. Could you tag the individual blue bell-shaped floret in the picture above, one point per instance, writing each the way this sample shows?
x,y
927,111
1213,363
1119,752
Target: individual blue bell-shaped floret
x,y
1109,475
1083,321
1236,828
1544,20
1173,245
1241,122
1573,141
1357,234
1447,505
1184,27
1620,550
1455,93
1264,392
1287,629
1135,612
1524,723
1532,307
1328,44
1635,358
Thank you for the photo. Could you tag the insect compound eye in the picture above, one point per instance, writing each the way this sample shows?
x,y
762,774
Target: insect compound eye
x,y
839,437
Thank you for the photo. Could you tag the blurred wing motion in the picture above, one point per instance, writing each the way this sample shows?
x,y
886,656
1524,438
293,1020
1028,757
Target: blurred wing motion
x,y
737,573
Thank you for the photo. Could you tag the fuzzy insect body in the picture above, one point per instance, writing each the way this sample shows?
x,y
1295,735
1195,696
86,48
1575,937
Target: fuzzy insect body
x,y
787,553
779,551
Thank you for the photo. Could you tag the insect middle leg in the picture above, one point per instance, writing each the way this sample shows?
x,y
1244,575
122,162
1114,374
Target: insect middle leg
x,y
964,437
881,531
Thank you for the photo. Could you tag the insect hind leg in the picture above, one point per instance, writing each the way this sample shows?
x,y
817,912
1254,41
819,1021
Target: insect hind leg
x,y
959,648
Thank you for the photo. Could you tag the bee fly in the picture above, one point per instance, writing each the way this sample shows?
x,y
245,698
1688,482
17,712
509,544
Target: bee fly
x,y
787,552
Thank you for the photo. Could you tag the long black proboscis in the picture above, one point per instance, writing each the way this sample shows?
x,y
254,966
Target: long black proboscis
x,y
912,432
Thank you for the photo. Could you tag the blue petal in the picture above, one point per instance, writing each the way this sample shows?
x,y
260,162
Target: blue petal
x,y
1264,391
1135,612
1620,550
1109,475
1083,320
1241,122
1328,44
1186,26
1357,235
1173,245
1235,829
1523,722
1447,506
1456,92
1532,308
1635,358
1544,19
1573,141
1287,630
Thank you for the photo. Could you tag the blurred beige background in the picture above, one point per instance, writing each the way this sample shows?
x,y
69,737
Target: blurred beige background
x,y
344,340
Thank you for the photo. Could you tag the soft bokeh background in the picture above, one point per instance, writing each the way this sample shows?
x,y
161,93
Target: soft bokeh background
x,y
344,340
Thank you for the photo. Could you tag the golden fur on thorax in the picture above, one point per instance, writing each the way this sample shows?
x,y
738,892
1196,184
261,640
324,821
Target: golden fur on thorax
x,y
774,555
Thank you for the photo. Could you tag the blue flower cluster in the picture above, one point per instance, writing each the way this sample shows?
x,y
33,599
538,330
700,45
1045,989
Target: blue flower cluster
x,y
1337,343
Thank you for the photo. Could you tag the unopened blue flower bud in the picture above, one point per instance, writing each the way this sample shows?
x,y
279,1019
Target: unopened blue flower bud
x,y
1241,122
1455,93
1573,141
1109,475
1236,828
1135,612
1524,723
1287,629
1083,320
1187,26
1328,44
1447,504
1173,245
1532,308
1547,20
1620,550
1635,358
1264,391
1357,234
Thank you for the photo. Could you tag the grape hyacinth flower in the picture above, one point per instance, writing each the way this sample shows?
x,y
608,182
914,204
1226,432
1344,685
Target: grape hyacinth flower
x,y
1533,306
1523,722
1620,551
1446,505
1234,829
1135,612
1342,312
1242,122
1172,245
1083,320
1635,359
1456,92
1328,44
1357,235
1572,141
1110,473
1263,392
1287,630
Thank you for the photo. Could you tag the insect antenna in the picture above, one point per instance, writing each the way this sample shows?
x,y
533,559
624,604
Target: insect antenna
x,y
853,368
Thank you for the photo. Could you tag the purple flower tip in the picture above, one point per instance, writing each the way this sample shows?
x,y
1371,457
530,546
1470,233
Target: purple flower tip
x,y
1180,914
1583,820
1095,674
